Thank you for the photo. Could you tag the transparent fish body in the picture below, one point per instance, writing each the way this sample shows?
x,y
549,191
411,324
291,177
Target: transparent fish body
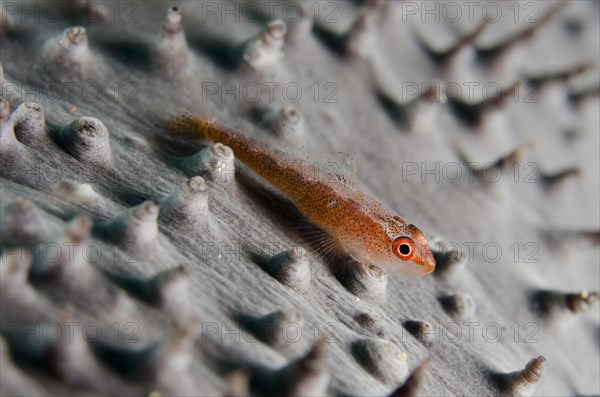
x,y
360,225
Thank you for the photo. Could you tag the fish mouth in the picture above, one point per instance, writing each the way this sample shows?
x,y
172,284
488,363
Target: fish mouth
x,y
429,270
427,265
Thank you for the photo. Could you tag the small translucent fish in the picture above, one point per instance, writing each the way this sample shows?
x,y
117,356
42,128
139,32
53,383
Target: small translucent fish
x,y
358,224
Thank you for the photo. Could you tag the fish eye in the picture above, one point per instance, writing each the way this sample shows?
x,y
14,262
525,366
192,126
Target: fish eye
x,y
403,248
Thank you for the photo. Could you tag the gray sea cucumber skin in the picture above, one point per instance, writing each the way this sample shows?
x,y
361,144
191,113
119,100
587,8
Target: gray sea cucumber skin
x,y
155,296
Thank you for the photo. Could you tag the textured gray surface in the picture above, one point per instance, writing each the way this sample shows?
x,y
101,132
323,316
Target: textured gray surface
x,y
225,286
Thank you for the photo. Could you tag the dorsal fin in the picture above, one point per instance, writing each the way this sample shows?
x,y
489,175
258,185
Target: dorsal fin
x,y
342,170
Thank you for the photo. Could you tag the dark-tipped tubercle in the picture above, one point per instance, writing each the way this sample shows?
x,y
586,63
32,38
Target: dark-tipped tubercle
x,y
172,53
24,223
163,365
264,53
17,162
20,301
300,26
79,229
577,96
573,238
369,323
78,193
304,376
29,124
187,207
172,23
383,359
71,358
72,267
64,269
504,162
14,381
286,122
411,387
215,163
522,383
449,258
513,157
8,140
556,179
168,289
14,272
548,303
175,353
560,75
291,268
414,113
169,364
87,139
68,56
70,350
272,328
543,20
364,280
489,53
460,305
361,39
443,58
422,330
135,229
473,113
581,301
